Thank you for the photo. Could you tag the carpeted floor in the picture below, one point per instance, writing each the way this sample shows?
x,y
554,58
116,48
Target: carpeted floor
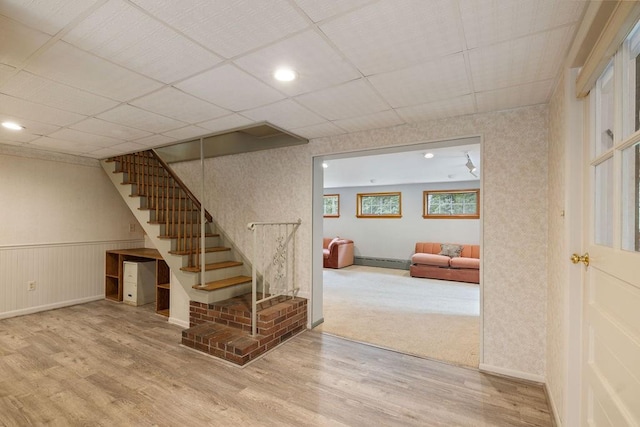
x,y
429,318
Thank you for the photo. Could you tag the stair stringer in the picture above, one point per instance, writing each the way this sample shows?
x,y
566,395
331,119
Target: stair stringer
x,y
175,262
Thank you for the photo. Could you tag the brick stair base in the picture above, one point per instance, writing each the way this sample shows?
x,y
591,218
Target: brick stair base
x,y
223,329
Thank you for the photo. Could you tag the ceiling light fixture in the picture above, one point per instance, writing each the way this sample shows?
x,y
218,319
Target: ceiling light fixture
x,y
325,165
428,156
12,126
285,74
472,168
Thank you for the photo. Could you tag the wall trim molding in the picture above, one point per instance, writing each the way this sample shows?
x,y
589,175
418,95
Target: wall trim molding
x,y
179,322
490,369
555,417
63,244
46,307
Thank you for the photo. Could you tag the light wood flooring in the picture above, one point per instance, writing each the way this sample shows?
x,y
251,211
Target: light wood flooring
x,y
110,364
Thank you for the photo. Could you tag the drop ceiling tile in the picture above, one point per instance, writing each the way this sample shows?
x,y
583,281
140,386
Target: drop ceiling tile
x,y
317,64
285,114
440,79
6,71
100,127
230,88
49,16
12,137
460,106
516,96
319,131
390,34
32,127
319,10
90,73
351,99
129,147
104,153
18,42
41,113
84,137
127,36
187,132
229,122
60,145
176,104
229,28
490,21
155,140
524,60
37,89
8,142
382,119
134,117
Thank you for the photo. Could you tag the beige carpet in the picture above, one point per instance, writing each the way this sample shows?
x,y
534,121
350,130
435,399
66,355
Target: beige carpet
x,y
429,318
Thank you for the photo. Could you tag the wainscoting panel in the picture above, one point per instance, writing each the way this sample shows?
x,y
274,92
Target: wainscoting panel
x,y
64,274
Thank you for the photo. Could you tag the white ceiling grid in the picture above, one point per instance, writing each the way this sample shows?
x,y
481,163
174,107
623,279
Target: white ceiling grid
x,y
98,78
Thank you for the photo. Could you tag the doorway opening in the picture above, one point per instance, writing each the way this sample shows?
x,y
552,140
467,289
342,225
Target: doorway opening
x,y
378,203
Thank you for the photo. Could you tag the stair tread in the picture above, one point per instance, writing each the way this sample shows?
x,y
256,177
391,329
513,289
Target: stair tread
x,y
167,236
207,250
224,283
213,266
158,222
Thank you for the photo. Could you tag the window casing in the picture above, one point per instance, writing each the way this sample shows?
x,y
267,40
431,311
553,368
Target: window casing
x,y
379,205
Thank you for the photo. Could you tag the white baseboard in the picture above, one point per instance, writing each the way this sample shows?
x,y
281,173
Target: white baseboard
x,y
46,307
554,408
179,322
511,373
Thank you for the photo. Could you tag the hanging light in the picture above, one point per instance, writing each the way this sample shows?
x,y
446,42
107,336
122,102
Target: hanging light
x,y
472,168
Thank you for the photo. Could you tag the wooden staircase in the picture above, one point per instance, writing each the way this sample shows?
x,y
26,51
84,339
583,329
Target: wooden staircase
x,y
219,300
171,216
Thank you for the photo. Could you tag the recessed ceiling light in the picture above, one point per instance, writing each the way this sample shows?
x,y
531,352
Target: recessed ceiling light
x,y
12,126
285,74
325,165
428,156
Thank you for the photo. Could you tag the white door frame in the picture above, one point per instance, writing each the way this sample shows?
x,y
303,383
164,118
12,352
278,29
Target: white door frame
x,y
575,175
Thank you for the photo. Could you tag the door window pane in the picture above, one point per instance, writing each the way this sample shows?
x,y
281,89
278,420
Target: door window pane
x,y
604,113
603,203
631,198
632,115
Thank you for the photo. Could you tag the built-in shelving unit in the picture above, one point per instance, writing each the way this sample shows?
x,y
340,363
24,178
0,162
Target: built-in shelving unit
x,y
113,285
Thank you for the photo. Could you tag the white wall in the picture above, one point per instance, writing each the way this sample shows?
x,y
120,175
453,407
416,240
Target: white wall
x,y
395,238
277,185
59,214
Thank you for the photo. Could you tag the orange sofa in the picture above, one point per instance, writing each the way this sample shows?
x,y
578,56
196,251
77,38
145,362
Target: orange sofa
x,y
337,252
432,261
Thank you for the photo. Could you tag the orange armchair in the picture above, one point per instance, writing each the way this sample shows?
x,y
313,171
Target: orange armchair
x,y
337,252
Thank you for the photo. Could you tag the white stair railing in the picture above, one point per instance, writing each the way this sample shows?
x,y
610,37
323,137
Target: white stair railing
x,y
273,263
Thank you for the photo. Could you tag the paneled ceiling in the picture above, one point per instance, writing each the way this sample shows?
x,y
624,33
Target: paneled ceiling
x,y
102,77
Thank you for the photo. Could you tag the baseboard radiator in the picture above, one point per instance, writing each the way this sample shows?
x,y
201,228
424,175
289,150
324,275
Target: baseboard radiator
x,y
398,264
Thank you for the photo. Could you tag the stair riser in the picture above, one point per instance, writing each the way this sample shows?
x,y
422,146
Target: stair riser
x,y
195,229
223,273
143,190
210,257
151,203
209,242
174,216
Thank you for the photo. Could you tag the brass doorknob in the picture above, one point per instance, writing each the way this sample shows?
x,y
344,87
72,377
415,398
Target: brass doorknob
x,y
575,258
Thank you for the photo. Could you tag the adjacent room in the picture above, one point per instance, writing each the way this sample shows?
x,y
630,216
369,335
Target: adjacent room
x,y
378,207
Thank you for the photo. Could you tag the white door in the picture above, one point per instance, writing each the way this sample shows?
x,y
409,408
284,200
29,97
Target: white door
x,y
611,307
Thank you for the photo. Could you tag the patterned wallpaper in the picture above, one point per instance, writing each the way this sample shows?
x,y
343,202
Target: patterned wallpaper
x,y
556,255
277,185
